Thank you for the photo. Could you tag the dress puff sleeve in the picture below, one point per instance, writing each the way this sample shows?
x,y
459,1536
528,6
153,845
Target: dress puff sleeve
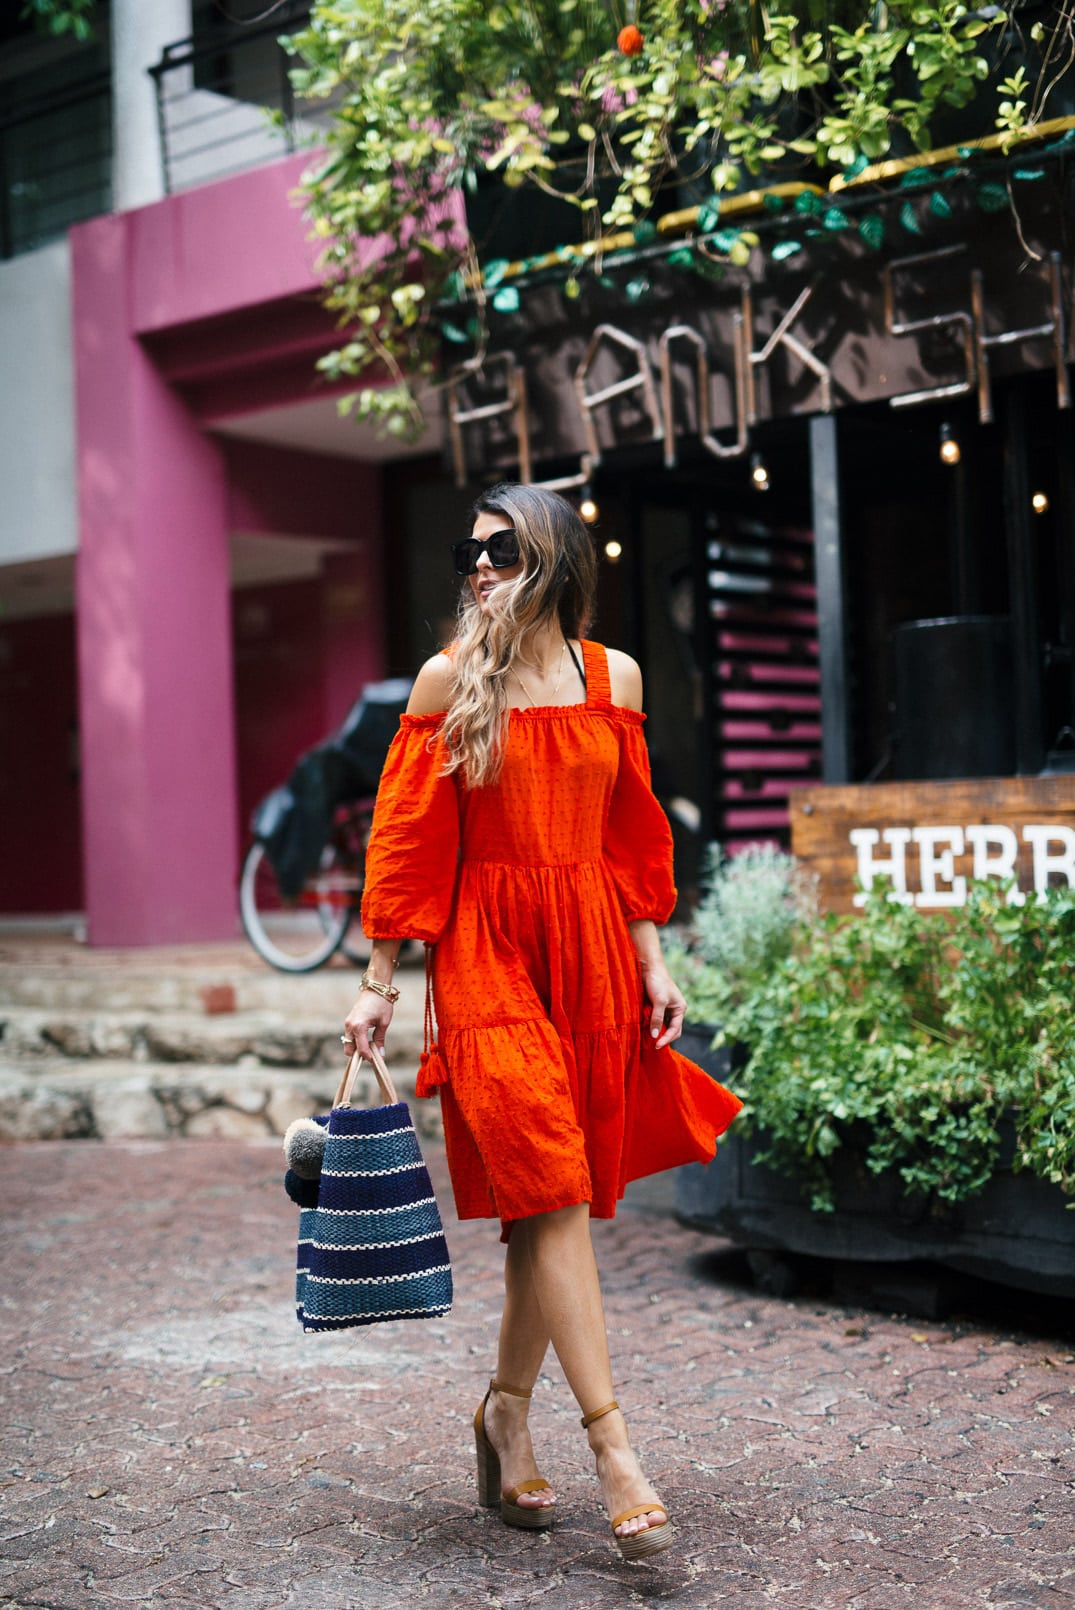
x,y
413,852
638,838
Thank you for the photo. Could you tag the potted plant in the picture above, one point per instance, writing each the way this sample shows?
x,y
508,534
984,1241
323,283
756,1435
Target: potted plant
x,y
599,103
910,1091
752,905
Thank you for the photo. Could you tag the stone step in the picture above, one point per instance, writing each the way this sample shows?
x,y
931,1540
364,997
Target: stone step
x,y
184,991
254,1038
181,1040
184,979
110,1099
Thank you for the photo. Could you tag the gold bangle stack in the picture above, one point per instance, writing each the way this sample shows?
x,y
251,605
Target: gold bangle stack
x,y
388,991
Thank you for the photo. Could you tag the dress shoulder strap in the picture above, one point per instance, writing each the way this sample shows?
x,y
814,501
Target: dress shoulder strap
x,y
598,682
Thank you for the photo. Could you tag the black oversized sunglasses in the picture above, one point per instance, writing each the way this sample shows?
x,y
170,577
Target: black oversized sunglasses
x,y
501,546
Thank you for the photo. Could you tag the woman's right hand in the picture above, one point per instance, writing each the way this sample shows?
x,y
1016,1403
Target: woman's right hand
x,y
367,1023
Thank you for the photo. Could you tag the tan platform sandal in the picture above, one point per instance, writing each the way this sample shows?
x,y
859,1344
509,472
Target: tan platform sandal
x,y
636,1545
512,1513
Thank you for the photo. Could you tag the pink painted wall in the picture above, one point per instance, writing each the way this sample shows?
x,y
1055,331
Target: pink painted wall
x,y
154,630
198,307
220,249
285,491
161,807
40,836
292,493
300,663
315,495
303,650
279,685
352,628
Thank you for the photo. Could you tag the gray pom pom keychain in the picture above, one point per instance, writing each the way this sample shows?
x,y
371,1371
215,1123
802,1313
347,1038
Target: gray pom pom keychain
x,y
304,1147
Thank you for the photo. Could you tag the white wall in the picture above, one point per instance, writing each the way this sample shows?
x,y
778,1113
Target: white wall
x,y
37,407
38,511
213,135
140,32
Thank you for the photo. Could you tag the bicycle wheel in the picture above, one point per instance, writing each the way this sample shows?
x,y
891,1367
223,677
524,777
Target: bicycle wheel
x,y
296,935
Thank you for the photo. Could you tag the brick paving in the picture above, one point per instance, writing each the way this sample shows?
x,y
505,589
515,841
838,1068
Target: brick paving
x,y
170,1438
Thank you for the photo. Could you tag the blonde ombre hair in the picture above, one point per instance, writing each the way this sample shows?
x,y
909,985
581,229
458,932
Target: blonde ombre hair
x,y
557,584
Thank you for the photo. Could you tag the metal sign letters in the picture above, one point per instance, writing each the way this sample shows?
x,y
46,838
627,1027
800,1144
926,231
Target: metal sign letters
x,y
976,339
723,343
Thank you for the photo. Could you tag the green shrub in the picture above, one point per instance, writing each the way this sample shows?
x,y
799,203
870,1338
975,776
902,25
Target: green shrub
x,y
919,1040
744,925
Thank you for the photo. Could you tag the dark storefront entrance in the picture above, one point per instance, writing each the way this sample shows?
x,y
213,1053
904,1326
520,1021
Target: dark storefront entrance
x,y
936,609
708,580
899,601
712,590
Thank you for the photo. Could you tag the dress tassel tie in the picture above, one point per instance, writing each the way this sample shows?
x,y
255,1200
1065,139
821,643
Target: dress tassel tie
x,y
432,1070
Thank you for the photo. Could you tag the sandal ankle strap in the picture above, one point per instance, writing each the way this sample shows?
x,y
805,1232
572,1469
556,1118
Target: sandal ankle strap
x,y
595,1414
510,1391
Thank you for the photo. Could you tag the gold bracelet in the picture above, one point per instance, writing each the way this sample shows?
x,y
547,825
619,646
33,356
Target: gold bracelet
x,y
388,991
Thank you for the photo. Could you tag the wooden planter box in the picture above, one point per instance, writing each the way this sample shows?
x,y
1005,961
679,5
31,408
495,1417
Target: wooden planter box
x,y
1018,1231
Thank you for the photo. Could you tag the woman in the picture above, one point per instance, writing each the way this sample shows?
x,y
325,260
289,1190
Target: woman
x,y
515,829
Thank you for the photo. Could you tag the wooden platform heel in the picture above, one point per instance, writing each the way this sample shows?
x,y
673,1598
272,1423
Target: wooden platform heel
x,y
512,1513
636,1545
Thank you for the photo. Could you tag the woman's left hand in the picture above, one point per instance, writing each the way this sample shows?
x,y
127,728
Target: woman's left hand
x,y
666,1023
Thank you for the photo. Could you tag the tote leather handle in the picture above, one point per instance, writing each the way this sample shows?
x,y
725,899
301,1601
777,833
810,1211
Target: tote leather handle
x,y
350,1073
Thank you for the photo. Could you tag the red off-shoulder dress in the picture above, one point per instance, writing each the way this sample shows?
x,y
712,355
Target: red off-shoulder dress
x,y
551,1090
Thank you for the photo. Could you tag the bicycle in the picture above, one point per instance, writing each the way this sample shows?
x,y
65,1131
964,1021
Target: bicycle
x,y
299,934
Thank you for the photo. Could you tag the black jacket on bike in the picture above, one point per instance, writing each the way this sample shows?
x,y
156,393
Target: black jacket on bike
x,y
294,821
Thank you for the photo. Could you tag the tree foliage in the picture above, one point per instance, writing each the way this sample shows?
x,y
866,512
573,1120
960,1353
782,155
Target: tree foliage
x,y
59,17
431,96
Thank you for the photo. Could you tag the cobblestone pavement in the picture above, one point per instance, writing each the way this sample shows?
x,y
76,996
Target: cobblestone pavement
x,y
172,1439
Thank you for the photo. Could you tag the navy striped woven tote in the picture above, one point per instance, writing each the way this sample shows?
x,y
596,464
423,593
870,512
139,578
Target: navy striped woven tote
x,y
373,1248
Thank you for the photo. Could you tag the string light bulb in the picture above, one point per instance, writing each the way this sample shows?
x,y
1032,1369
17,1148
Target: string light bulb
x,y
613,551
759,475
950,449
588,509
1040,503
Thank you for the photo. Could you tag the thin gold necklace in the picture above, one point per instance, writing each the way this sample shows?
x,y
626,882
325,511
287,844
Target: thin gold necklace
x,y
556,689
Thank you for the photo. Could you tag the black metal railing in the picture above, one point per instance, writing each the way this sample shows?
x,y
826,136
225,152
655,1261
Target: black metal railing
x,y
55,163
225,102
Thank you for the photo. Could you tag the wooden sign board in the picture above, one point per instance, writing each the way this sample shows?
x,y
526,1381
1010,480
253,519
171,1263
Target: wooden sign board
x,y
931,839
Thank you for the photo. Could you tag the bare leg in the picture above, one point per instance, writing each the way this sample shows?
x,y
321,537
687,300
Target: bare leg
x,y
567,1291
524,1340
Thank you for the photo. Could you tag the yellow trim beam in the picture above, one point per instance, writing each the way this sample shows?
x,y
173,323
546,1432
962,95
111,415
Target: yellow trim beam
x,y
672,224
880,171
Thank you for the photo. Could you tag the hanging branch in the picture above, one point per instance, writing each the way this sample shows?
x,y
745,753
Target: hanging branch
x,y
600,104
